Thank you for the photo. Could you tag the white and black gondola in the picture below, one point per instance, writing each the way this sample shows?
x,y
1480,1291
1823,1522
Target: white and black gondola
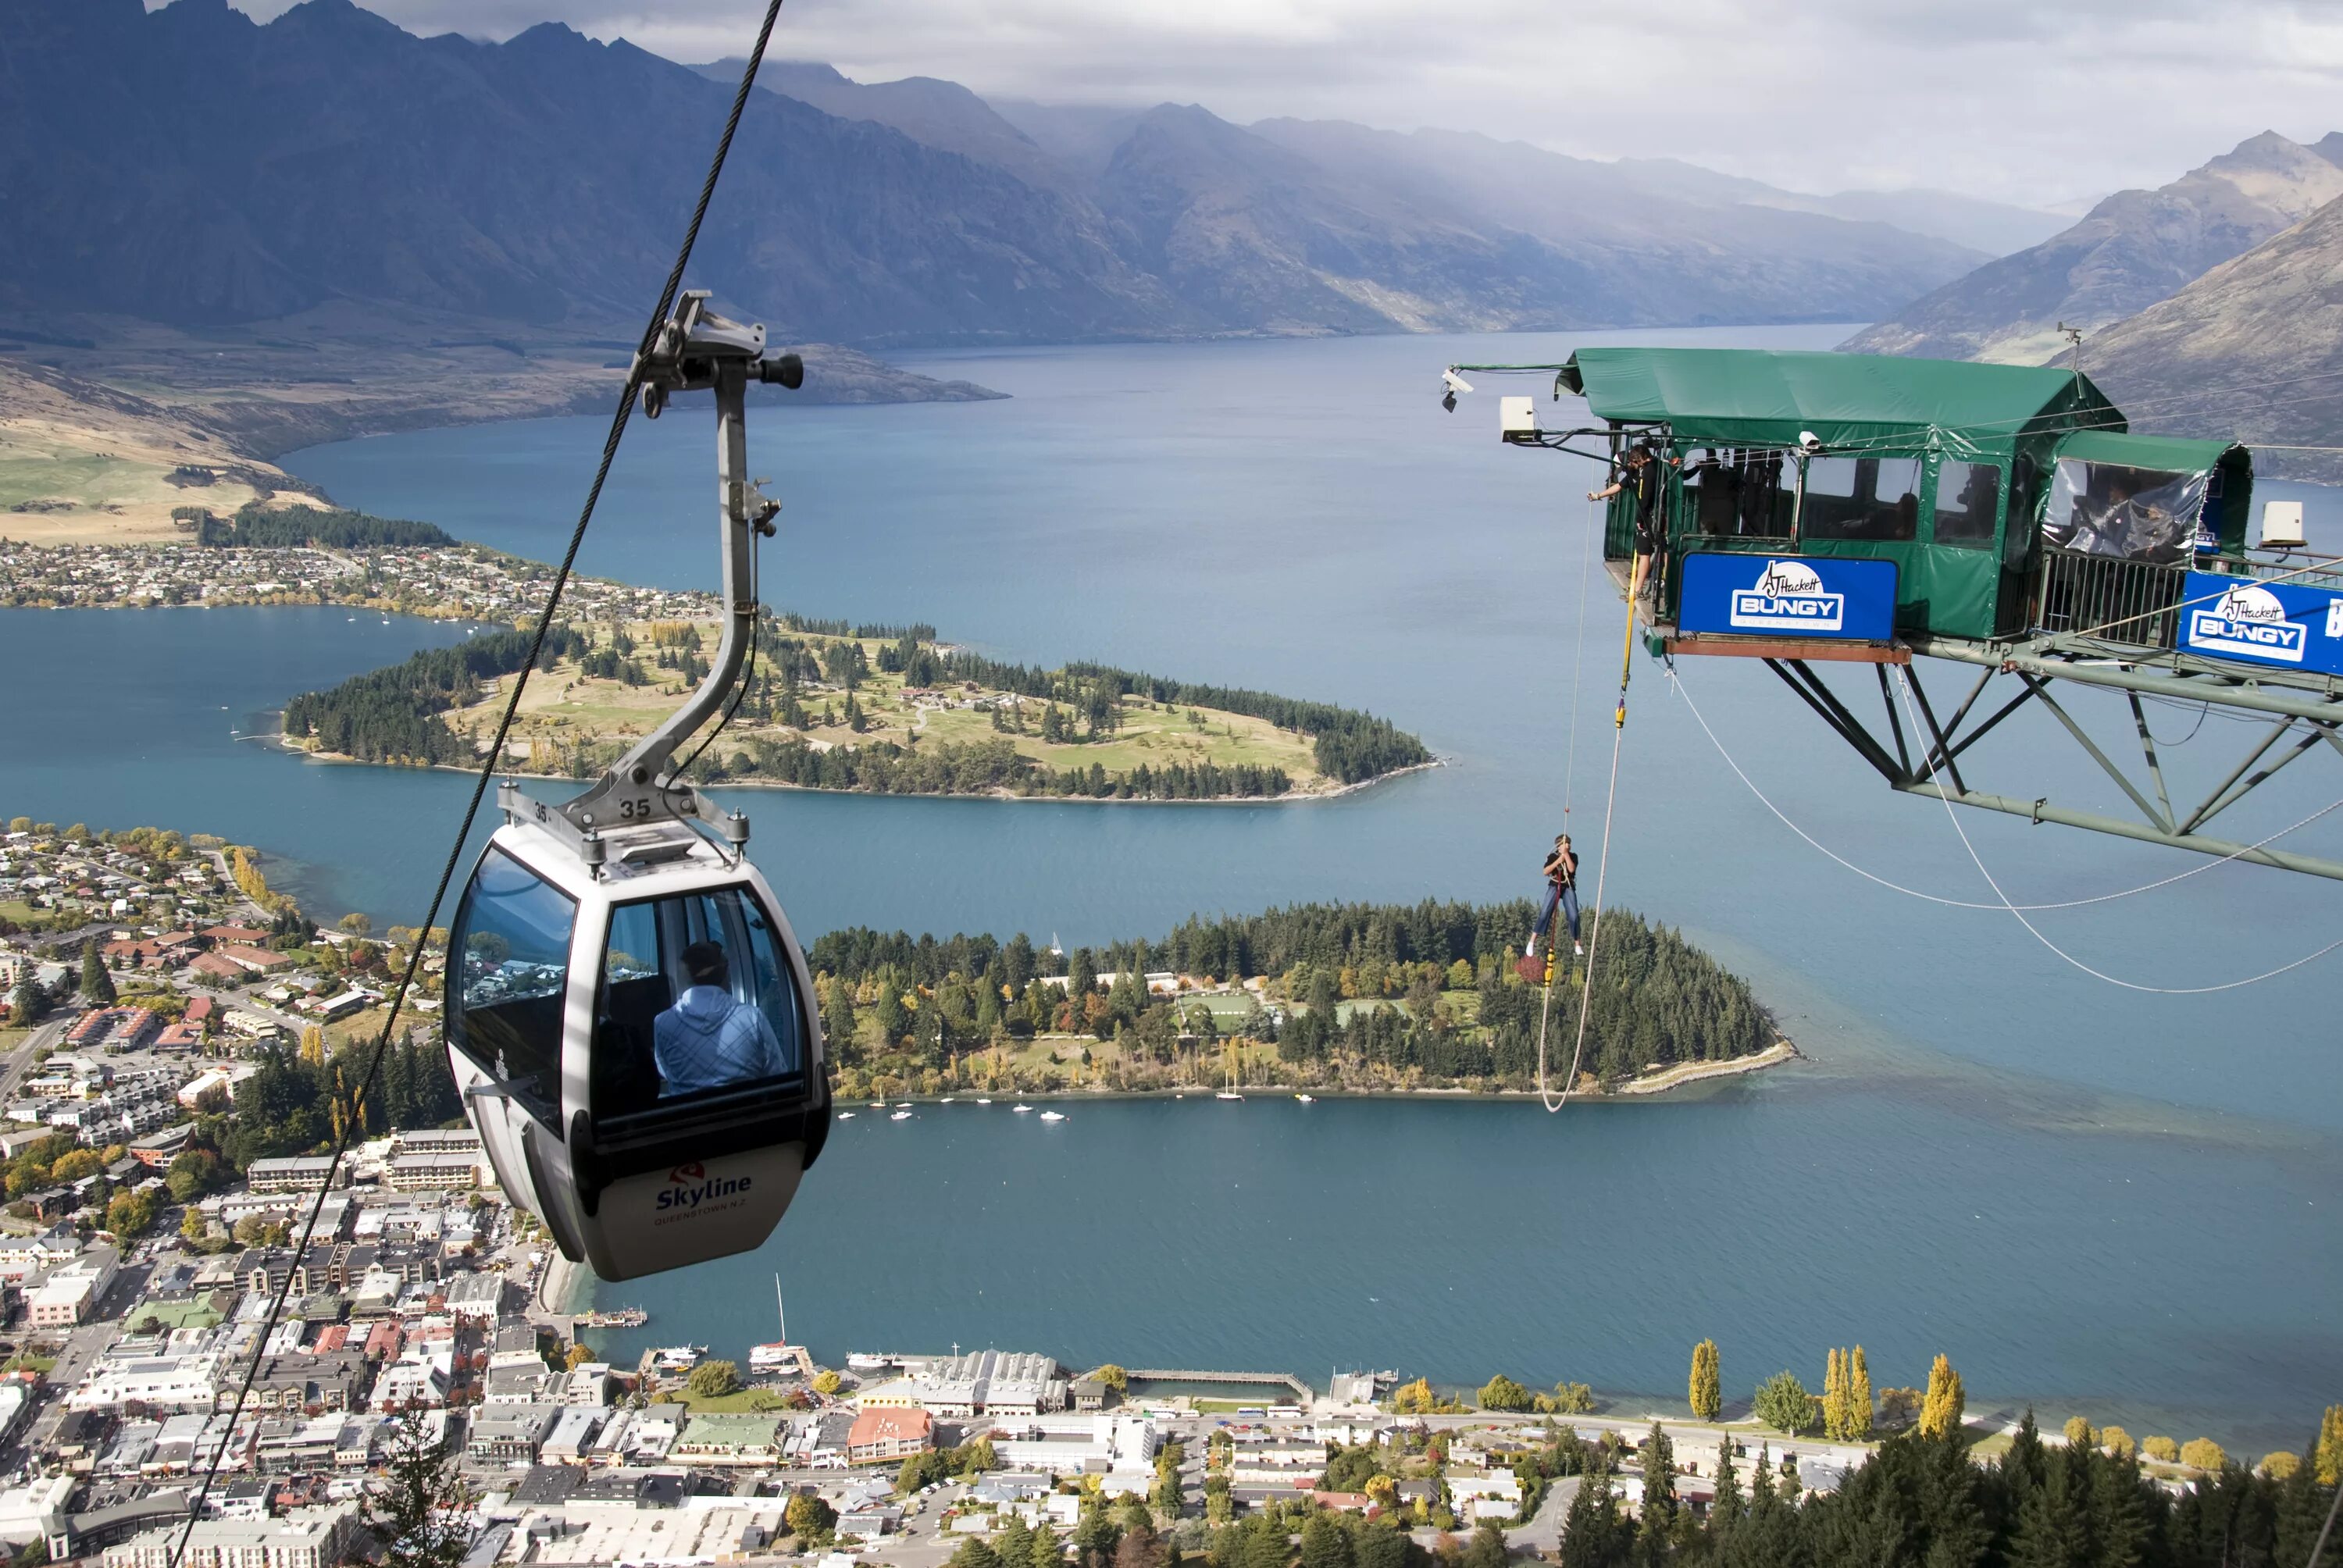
x,y
628,1015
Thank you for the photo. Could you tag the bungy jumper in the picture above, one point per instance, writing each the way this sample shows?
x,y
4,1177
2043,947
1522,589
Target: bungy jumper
x,y
628,1015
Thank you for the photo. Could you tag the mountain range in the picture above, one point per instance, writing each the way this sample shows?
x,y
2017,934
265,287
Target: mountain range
x,y
2253,349
2130,251
190,167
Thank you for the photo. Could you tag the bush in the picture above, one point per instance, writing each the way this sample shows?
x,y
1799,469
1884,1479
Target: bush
x,y
2118,1441
2162,1448
2281,1466
2203,1454
2079,1433
1783,1404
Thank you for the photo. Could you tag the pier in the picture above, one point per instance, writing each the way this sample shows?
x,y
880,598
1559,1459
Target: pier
x,y
1303,1395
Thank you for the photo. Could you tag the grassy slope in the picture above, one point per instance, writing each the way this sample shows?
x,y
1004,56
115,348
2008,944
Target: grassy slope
x,y
560,704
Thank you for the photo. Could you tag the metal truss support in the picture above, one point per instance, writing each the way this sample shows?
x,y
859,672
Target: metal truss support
x,y
1936,772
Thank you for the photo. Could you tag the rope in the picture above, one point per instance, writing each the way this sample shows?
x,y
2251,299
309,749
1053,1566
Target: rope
x,y
1904,693
1547,1096
618,421
1676,679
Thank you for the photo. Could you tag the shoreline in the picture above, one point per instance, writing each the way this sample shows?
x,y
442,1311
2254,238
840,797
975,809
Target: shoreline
x,y
1290,797
1782,1050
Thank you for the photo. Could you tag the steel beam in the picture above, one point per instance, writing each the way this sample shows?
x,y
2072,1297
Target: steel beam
x,y
2226,689
2043,812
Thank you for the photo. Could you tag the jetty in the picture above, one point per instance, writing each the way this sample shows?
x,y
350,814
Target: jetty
x,y
1303,1395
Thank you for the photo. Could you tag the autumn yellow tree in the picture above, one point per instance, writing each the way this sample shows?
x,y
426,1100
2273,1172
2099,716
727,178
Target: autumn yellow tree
x,y
1859,1396
1834,1394
1941,1409
1707,1382
2326,1458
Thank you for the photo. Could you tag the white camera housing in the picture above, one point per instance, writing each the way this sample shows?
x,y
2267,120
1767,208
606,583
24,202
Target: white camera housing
x,y
2281,525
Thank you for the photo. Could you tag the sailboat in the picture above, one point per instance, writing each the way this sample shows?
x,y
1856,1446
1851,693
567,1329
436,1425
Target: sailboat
x,y
778,1355
1230,1056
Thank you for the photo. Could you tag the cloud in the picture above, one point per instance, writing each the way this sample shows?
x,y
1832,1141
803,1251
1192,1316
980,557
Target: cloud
x,y
2014,100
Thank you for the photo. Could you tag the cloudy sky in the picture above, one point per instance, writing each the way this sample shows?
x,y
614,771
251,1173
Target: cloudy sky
x,y
2035,101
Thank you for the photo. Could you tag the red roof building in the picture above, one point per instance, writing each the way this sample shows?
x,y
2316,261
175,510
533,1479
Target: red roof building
x,y
883,1436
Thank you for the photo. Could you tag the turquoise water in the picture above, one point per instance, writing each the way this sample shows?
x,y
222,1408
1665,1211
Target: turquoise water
x,y
2109,1201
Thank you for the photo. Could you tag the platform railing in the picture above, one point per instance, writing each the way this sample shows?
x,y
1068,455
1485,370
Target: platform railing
x,y
2124,602
2138,603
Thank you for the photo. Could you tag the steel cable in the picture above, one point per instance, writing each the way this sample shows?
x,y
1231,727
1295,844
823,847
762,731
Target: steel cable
x,y
618,422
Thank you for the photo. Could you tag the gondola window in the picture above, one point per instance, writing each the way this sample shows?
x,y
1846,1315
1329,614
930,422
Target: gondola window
x,y
511,942
696,998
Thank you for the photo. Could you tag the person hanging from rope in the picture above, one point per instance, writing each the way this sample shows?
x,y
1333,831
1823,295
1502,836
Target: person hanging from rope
x,y
1560,893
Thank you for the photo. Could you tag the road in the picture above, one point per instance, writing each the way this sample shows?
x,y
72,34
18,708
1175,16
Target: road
x,y
20,1063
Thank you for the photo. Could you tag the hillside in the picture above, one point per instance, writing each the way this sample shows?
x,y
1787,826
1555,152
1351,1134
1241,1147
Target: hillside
x,y
869,709
2132,250
191,167
2253,349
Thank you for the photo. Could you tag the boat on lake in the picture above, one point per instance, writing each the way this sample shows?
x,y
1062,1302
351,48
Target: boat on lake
x,y
900,1116
623,1318
1051,1116
1021,1110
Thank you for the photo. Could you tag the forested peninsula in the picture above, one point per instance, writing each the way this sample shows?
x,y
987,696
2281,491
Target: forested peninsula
x,y
875,710
1348,998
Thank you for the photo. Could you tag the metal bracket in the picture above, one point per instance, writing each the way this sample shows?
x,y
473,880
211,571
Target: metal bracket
x,y
695,350
2159,822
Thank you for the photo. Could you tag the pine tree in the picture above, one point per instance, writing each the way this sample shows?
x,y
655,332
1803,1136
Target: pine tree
x,y
1659,1477
1941,1410
1708,1387
1724,1513
1859,1396
418,1504
96,985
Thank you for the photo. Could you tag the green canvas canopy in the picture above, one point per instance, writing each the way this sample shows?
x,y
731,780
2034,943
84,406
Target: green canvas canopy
x,y
1740,397
2171,453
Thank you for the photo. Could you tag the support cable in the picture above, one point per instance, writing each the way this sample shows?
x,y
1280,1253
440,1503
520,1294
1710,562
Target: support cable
x,y
1546,1096
1676,681
618,422
2036,932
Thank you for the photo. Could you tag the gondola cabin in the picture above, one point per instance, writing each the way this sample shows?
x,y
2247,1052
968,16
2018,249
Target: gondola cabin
x,y
1888,501
637,1041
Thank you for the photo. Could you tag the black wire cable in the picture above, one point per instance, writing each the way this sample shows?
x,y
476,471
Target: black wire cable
x,y
618,421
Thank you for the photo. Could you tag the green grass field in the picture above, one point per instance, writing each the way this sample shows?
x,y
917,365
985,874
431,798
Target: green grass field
x,y
571,706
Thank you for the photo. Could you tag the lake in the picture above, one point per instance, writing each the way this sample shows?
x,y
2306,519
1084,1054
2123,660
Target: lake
x,y
2111,1201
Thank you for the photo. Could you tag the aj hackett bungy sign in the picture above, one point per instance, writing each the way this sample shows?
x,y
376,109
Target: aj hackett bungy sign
x,y
2283,623
1788,596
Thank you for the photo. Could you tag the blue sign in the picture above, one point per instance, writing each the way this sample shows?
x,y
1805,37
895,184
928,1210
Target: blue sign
x,y
2287,624
1852,600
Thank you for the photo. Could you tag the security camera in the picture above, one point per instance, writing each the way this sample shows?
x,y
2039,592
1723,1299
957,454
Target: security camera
x,y
1810,444
1452,384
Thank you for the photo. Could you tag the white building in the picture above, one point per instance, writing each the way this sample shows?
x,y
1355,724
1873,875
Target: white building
x,y
1079,1444
72,1292
305,1538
